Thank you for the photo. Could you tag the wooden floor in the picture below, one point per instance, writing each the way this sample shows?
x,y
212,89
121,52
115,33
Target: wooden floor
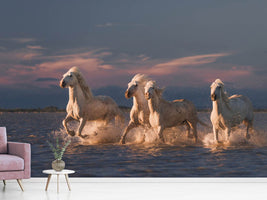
x,y
136,188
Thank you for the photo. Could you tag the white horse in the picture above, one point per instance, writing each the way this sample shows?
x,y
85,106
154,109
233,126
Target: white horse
x,y
165,114
83,106
139,114
228,112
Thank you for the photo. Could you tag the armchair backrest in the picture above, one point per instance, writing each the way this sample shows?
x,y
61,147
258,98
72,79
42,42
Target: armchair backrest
x,y
3,140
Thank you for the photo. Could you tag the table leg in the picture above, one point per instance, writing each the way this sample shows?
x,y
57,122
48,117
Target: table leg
x,y
67,180
57,183
48,180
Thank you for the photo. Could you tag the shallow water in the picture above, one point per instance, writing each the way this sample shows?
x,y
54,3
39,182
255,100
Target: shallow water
x,y
100,155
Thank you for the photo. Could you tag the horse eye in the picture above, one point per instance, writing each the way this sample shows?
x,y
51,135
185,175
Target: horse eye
x,y
70,75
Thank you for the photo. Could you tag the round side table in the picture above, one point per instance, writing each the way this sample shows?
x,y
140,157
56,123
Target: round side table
x,y
51,172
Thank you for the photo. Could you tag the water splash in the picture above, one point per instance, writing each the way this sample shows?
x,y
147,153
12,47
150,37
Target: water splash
x,y
237,139
98,133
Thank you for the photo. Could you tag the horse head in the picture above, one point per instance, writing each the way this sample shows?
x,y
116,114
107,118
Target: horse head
x,y
152,90
74,77
69,79
131,90
137,83
216,89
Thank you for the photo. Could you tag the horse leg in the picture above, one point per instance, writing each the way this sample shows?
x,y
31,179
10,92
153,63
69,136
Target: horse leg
x,y
249,125
160,134
82,123
194,127
64,122
227,132
130,126
215,133
188,129
247,133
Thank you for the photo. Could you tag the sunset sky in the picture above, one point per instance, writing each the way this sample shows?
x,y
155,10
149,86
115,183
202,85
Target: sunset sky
x,y
179,43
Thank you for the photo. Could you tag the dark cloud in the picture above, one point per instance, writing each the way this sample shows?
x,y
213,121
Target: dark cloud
x,y
41,40
46,79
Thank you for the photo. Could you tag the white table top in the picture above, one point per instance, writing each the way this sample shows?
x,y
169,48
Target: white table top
x,y
53,172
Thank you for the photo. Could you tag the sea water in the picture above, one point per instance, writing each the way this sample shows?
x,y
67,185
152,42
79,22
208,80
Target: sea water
x,y
100,155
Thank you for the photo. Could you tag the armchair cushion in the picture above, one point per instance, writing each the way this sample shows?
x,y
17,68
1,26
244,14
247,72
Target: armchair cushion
x,y
3,140
22,150
11,163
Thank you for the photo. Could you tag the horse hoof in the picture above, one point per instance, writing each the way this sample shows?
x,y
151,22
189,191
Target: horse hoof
x,y
71,133
122,141
248,137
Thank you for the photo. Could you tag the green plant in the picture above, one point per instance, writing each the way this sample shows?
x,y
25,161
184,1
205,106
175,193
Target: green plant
x,y
57,150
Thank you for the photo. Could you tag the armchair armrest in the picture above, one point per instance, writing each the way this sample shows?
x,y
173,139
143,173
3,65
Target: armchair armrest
x,y
22,150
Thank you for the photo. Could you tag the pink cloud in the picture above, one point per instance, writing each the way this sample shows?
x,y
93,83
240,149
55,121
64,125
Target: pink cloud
x,y
231,75
175,65
17,56
186,71
87,61
38,47
90,62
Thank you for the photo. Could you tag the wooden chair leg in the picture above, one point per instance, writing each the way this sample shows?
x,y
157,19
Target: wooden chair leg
x,y
20,184
4,181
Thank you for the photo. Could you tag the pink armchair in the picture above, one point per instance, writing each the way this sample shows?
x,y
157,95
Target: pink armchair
x,y
15,159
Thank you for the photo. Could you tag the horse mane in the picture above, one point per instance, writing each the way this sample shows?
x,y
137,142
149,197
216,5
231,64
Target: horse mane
x,y
225,96
141,78
158,90
86,90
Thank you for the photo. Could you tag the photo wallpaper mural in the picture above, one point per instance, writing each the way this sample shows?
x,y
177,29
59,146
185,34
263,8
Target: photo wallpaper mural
x,y
137,88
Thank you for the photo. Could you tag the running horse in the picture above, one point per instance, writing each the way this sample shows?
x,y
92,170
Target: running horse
x,y
228,112
83,106
167,114
139,114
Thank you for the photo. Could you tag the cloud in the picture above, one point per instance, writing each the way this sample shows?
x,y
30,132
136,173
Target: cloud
x,y
18,55
31,64
89,61
195,71
37,47
19,40
100,67
45,79
176,65
143,57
